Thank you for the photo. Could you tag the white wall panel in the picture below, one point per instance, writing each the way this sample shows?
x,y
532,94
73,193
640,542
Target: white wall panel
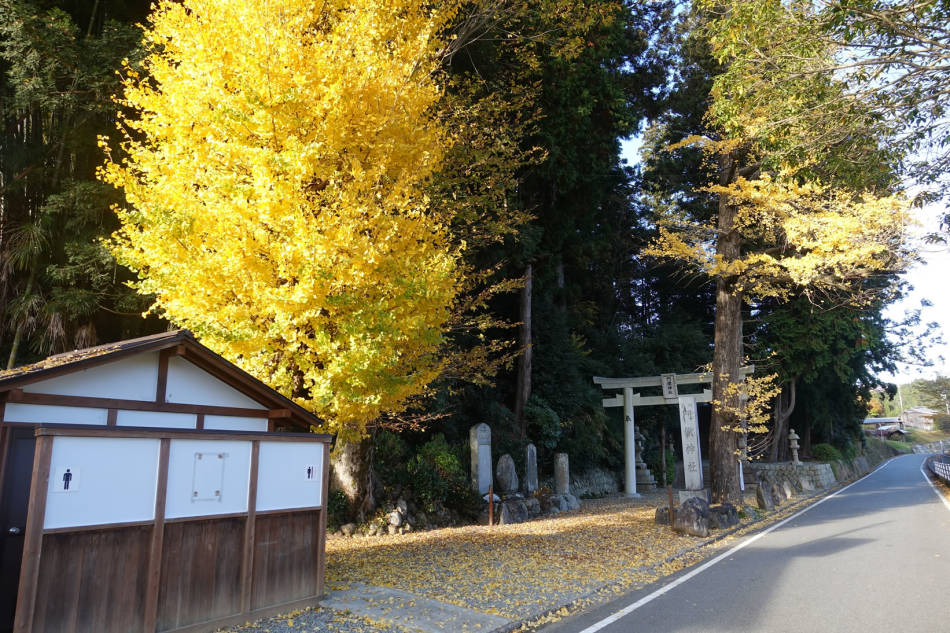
x,y
193,482
290,475
41,413
233,423
112,480
188,384
156,419
133,378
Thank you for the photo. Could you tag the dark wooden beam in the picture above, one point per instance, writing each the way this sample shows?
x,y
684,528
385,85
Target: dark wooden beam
x,y
200,421
247,560
162,385
112,417
154,578
33,542
274,414
133,405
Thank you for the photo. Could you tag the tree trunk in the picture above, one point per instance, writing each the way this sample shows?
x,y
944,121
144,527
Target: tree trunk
x,y
351,467
784,406
523,390
727,355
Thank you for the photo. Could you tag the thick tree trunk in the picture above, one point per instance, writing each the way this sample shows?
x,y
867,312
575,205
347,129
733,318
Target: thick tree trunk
x,y
727,356
351,471
784,406
523,390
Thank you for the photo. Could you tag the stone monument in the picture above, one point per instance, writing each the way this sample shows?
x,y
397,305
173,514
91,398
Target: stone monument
x,y
562,474
793,445
479,441
506,477
692,460
530,484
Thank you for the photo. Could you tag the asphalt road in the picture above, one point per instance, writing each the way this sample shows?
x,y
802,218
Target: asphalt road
x,y
873,558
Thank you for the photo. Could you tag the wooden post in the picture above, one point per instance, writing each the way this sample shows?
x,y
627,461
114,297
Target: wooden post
x,y
247,559
154,578
33,543
162,384
322,541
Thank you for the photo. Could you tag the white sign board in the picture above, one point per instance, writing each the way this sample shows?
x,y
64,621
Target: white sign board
x,y
99,480
668,382
289,475
207,477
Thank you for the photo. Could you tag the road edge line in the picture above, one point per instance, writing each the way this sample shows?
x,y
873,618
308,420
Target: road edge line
x,y
614,617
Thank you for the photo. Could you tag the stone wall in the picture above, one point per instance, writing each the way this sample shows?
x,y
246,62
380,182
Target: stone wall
x,y
595,482
817,475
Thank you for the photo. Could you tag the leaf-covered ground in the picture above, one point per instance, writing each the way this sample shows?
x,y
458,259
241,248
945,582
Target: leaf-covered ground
x,y
517,571
532,572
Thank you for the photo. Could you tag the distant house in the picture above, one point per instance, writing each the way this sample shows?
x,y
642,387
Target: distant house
x,y
876,423
919,418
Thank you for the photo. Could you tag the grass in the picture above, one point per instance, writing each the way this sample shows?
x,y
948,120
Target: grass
x,y
920,436
900,447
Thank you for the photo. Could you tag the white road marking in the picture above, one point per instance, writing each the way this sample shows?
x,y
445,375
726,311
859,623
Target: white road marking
x,y
610,619
932,486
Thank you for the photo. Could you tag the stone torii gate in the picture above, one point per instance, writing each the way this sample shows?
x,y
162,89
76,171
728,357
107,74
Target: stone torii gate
x,y
689,422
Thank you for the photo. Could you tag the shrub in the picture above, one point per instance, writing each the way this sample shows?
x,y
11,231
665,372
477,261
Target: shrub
x,y
436,478
338,510
653,458
390,456
825,453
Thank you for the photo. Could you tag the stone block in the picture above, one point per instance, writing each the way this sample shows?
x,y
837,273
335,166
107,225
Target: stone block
x,y
763,498
506,478
692,517
723,516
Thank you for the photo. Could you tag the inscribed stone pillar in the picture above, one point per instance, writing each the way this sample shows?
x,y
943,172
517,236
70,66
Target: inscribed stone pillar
x,y
530,469
629,445
479,441
562,474
689,431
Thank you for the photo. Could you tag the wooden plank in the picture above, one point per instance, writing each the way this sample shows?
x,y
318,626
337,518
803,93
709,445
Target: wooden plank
x,y
77,430
152,589
201,572
4,447
112,417
277,609
33,543
322,542
134,405
247,558
200,422
93,581
162,383
98,527
285,564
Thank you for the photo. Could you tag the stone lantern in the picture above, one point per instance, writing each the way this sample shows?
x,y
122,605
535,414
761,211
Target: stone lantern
x,y
793,444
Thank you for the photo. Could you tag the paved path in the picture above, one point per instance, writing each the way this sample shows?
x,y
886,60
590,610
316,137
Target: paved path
x,y
873,558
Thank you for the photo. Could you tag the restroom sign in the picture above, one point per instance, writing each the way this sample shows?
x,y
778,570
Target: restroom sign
x,y
66,479
310,472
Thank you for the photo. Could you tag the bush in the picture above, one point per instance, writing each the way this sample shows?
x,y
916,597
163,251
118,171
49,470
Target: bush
x,y
338,510
654,460
390,456
825,453
436,478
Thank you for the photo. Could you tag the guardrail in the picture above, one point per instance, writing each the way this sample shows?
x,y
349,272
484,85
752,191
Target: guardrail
x,y
940,467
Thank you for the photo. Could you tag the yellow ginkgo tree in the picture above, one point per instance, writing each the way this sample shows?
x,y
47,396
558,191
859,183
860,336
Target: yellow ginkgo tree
x,y
272,155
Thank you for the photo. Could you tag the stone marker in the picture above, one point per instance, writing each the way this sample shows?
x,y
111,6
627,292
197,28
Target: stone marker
x,y
562,474
479,441
530,469
692,460
723,516
763,498
645,480
787,489
506,478
692,517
